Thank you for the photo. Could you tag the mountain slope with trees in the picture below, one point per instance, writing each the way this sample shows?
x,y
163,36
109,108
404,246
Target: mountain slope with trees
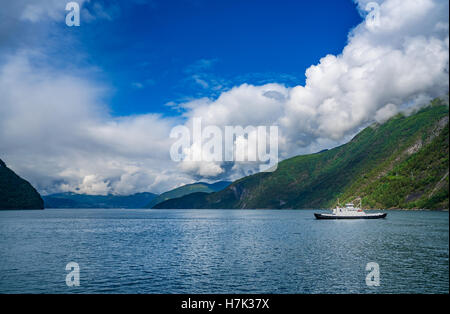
x,y
17,193
402,163
189,189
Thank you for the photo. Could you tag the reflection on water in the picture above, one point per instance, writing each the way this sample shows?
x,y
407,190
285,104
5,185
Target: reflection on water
x,y
221,251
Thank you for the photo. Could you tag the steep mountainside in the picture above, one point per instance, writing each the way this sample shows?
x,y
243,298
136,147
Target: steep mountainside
x,y
189,189
402,163
73,200
16,193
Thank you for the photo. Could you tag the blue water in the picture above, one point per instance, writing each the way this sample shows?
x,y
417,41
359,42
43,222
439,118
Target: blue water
x,y
221,251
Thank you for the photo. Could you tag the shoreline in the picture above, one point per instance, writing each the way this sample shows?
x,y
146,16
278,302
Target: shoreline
x,y
365,209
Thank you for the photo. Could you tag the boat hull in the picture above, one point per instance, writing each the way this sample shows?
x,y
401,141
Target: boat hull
x,y
369,216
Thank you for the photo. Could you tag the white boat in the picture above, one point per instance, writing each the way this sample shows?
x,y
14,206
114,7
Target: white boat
x,y
349,212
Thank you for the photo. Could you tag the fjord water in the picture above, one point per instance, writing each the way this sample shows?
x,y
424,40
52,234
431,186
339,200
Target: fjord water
x,y
221,251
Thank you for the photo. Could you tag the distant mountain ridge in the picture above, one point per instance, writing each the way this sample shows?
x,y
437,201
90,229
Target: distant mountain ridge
x,y
402,163
189,189
17,193
74,200
138,200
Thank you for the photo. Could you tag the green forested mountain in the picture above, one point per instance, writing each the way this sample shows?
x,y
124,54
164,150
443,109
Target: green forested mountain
x,y
189,189
402,163
74,200
15,192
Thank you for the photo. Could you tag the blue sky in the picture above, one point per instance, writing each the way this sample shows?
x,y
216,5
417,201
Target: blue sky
x,y
173,51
